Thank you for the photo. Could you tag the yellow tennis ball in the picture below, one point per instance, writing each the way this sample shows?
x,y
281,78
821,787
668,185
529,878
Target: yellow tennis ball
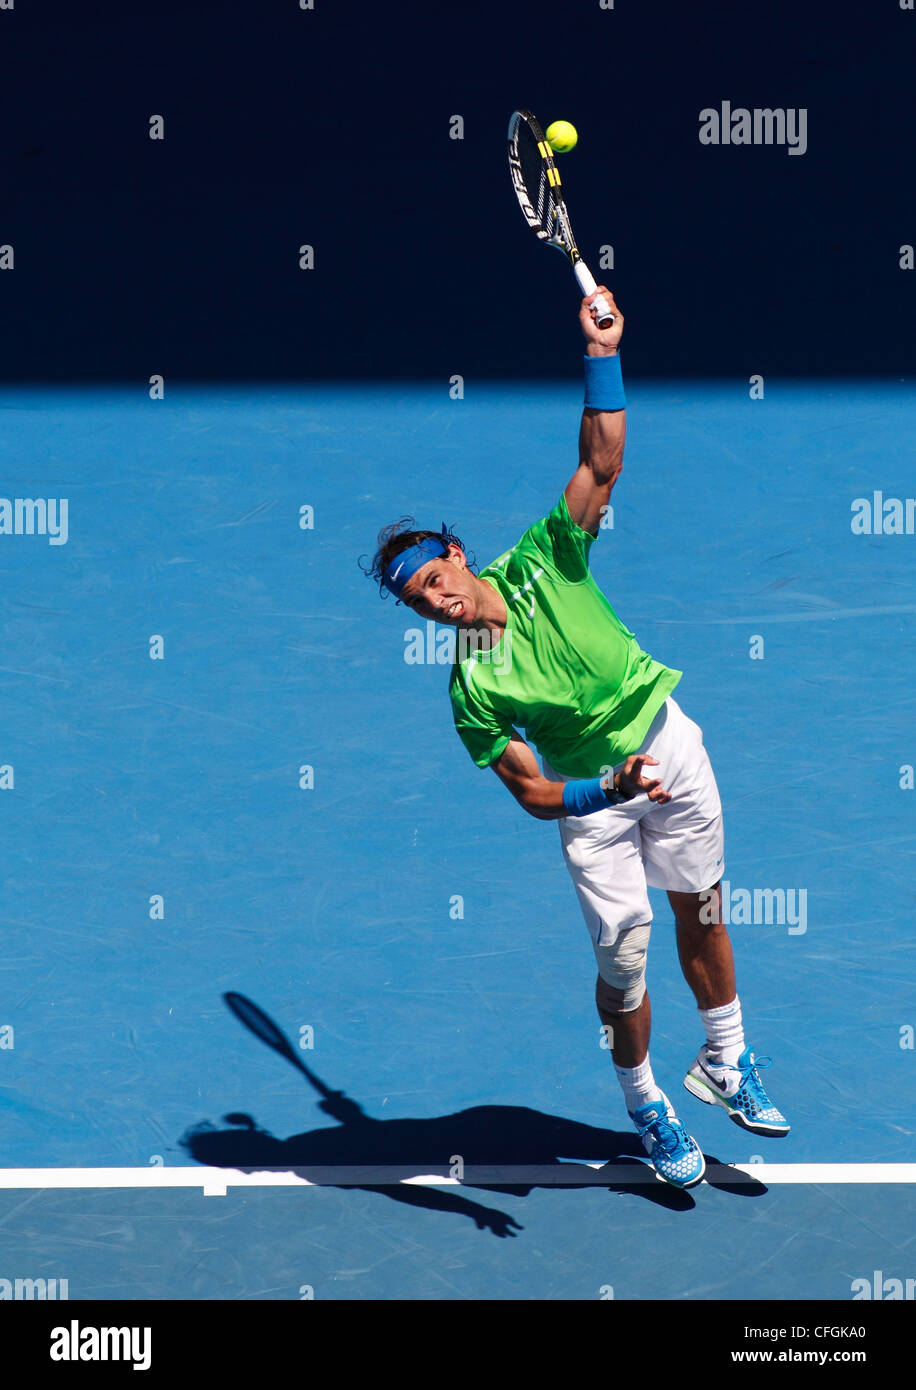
x,y
562,137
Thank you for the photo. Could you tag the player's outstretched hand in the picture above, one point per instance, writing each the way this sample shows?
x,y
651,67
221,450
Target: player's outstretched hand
x,y
631,782
499,1222
603,337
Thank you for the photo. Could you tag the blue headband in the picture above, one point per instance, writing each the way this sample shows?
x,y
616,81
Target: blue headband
x,y
406,564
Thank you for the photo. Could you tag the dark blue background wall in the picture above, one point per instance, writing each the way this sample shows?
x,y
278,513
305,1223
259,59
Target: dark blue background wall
x,y
331,127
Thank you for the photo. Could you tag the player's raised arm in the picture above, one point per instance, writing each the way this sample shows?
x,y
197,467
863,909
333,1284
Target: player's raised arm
x,y
603,429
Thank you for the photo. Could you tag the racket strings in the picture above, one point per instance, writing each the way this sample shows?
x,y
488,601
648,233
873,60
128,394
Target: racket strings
x,y
534,173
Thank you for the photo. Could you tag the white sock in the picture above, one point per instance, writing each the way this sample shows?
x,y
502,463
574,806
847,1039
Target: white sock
x,y
724,1033
638,1084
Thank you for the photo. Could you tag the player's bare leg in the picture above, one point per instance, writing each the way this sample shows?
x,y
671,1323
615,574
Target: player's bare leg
x,y
629,1036
704,947
675,1156
725,1072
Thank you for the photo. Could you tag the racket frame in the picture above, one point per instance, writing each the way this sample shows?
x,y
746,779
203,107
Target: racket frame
x,y
263,1027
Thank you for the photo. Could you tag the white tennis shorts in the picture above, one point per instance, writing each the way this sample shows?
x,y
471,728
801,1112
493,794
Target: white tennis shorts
x,y
612,855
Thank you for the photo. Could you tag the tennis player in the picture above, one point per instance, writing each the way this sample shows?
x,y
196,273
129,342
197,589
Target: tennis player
x,y
623,769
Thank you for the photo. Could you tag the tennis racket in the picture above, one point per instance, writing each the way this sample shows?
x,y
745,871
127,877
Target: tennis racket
x,y
265,1029
536,180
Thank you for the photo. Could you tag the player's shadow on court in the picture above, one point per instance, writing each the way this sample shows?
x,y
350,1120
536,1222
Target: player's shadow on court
x,y
483,1137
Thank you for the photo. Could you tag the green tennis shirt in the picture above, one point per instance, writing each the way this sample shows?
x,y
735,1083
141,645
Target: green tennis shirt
x,y
566,670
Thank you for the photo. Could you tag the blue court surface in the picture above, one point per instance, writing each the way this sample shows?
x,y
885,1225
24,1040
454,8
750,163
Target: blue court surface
x,y
277,804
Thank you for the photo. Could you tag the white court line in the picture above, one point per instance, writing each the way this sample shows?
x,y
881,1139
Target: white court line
x,y
215,1182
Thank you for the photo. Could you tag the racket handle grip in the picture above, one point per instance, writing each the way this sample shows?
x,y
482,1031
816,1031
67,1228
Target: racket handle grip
x,y
588,286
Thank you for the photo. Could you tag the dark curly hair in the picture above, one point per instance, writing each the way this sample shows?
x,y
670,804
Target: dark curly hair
x,y
401,535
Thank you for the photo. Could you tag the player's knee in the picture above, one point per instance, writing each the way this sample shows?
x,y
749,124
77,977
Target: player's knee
x,y
621,984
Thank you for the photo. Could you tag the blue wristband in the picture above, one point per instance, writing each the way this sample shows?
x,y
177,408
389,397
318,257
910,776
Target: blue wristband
x,y
583,797
604,383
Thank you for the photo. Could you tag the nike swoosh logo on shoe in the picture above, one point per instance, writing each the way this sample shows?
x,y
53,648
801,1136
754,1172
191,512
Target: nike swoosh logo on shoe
x,y
721,1086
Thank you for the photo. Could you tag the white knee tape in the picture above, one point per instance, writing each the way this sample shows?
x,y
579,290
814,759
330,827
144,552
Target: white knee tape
x,y
622,968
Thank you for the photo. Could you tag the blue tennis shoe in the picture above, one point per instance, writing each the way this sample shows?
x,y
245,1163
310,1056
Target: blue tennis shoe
x,y
674,1155
738,1090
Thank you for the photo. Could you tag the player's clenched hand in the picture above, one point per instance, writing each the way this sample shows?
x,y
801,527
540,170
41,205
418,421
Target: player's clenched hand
x,y
607,338
631,782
